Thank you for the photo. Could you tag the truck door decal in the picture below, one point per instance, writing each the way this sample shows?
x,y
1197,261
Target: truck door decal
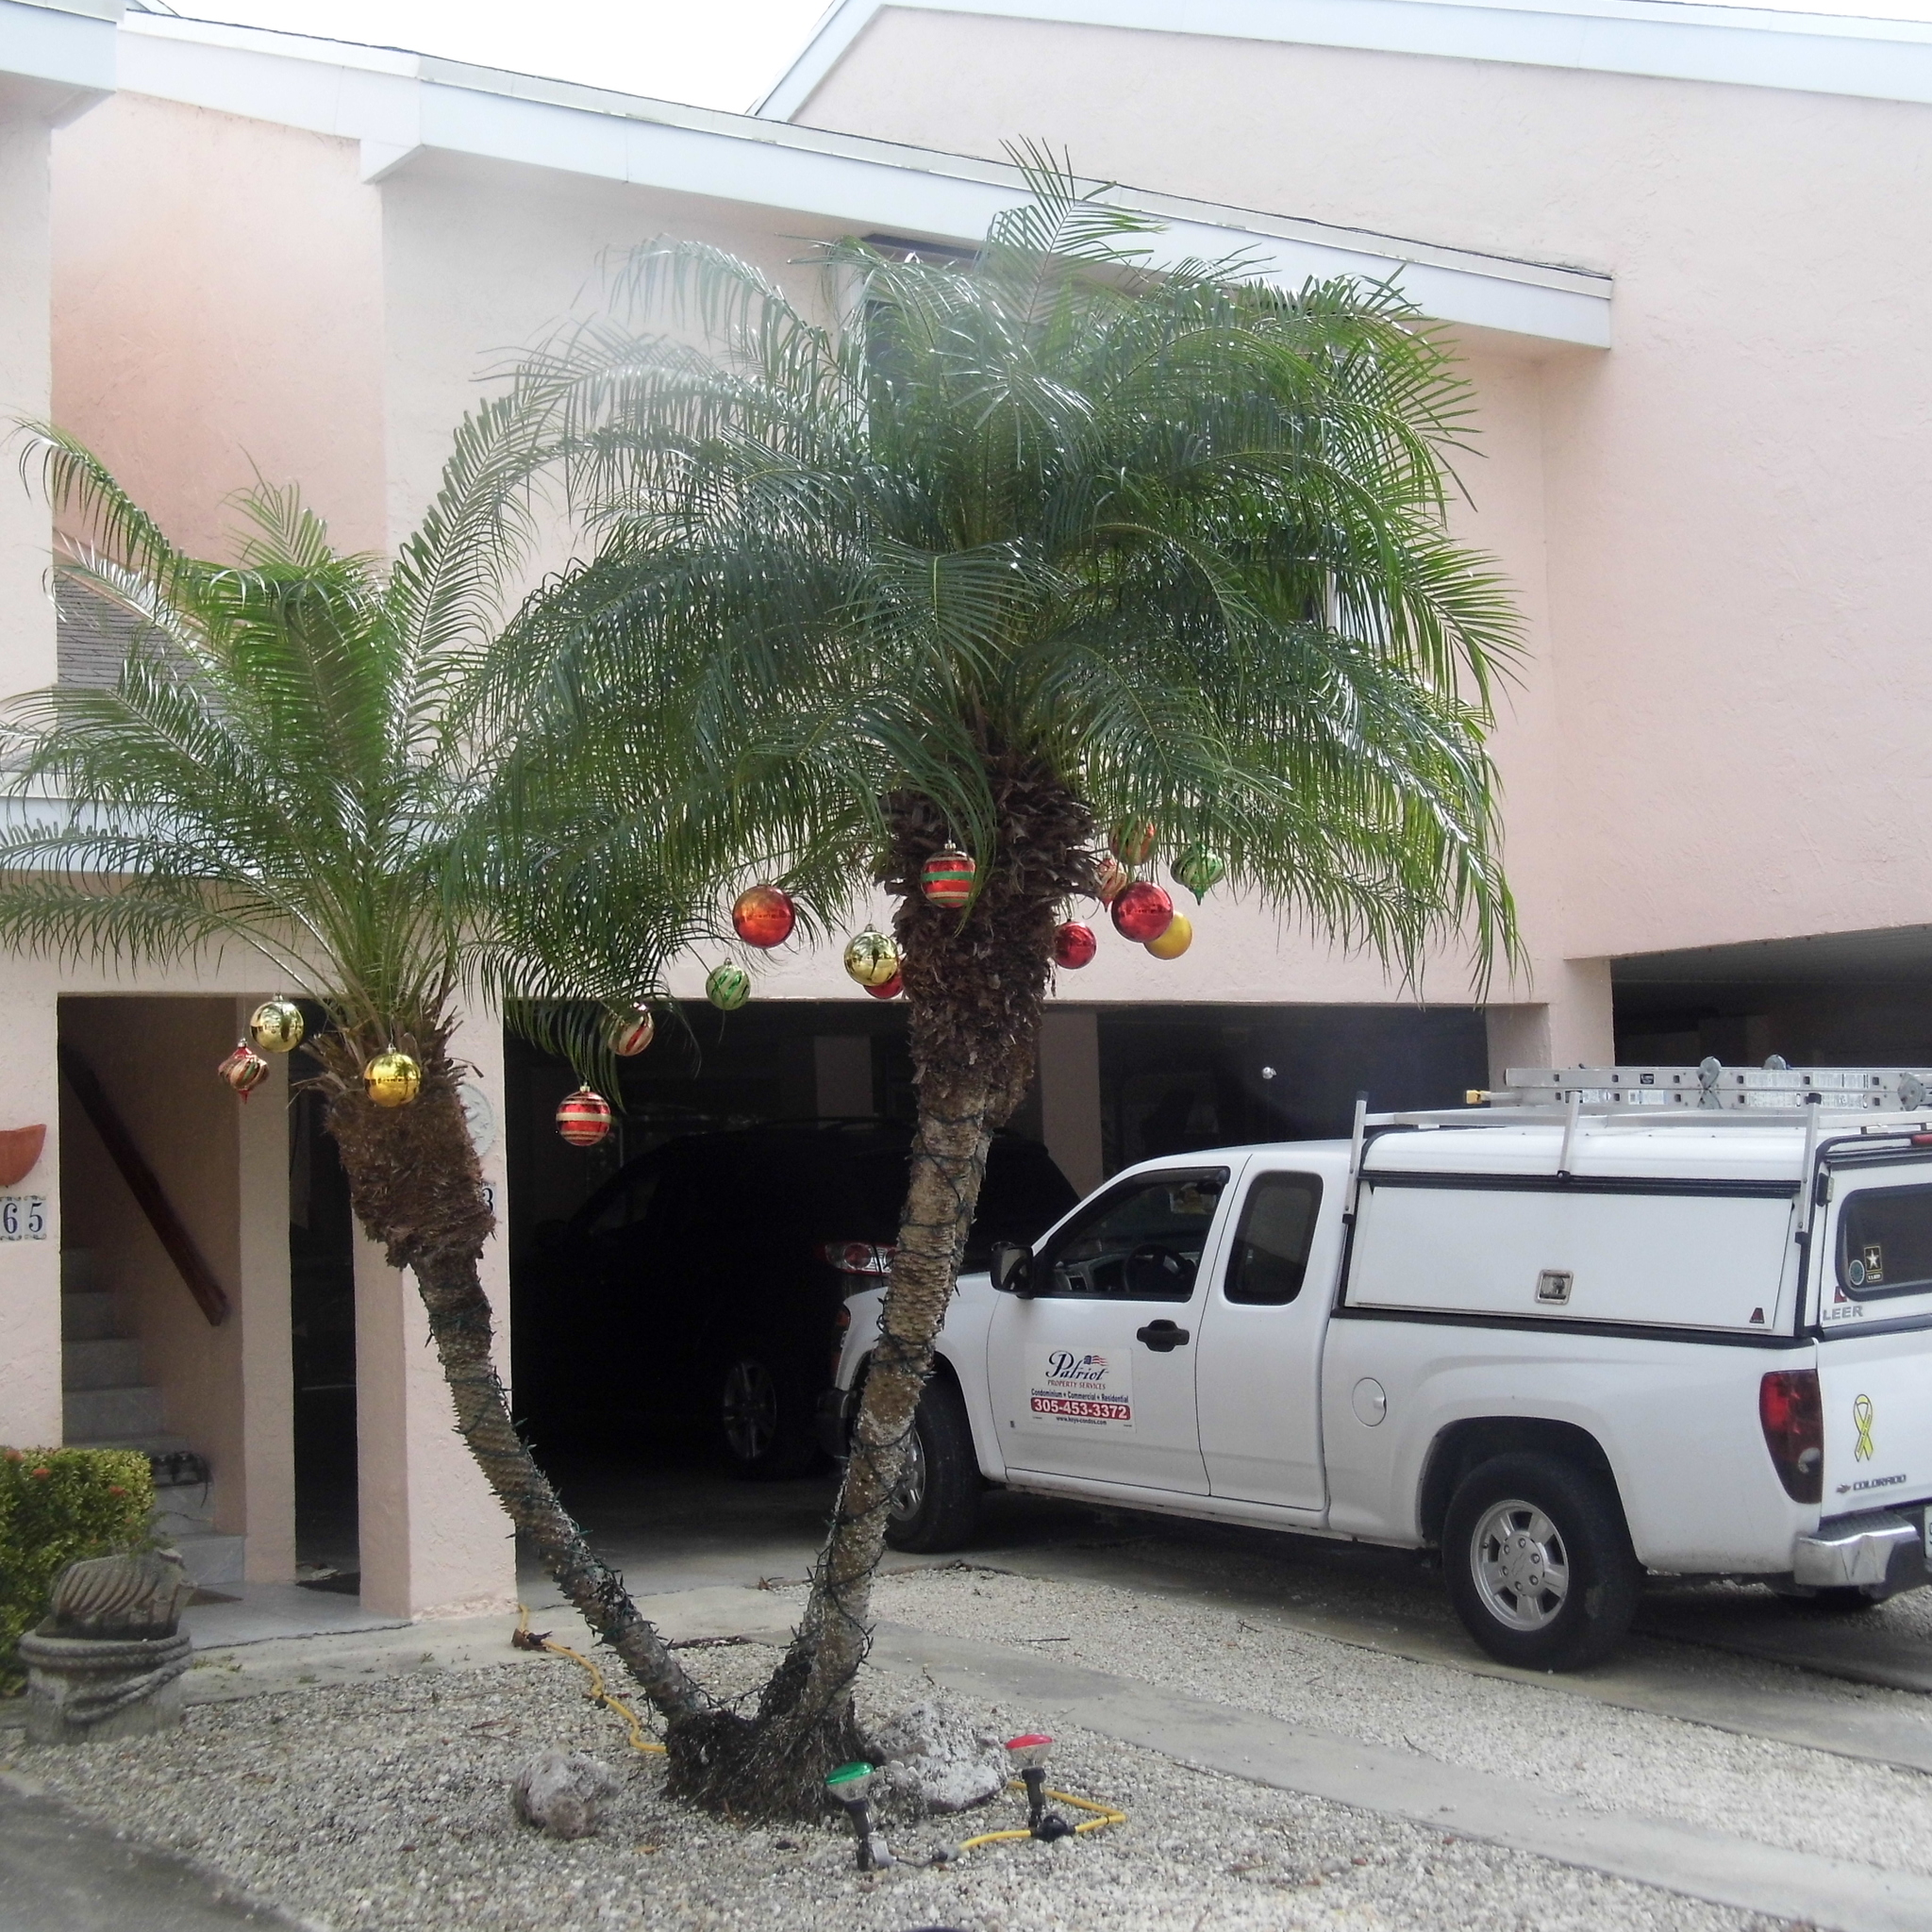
x,y
1082,1387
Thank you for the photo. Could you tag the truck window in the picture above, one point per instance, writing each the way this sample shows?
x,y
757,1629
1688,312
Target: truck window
x,y
1885,1241
1270,1250
1142,1243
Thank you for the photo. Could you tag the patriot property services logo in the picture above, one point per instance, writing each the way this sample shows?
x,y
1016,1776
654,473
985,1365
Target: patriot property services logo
x,y
1090,1387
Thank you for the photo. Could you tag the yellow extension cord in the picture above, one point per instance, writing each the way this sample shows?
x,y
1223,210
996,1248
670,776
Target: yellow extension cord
x,y
1104,1814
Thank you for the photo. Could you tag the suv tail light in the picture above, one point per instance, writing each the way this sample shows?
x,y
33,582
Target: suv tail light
x,y
1793,1419
859,1258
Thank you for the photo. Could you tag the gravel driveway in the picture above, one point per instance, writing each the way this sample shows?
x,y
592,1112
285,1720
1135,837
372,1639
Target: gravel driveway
x,y
382,1804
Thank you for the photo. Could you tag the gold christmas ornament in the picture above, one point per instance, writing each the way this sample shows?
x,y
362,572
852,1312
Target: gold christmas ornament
x,y
872,957
392,1079
276,1026
1175,941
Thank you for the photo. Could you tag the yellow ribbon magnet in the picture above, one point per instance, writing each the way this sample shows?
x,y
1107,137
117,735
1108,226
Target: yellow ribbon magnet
x,y
1861,1414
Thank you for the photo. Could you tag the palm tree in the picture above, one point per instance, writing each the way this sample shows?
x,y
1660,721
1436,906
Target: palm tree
x,y
1029,551
284,766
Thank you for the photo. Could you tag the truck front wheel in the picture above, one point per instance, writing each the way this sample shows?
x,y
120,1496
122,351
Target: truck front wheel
x,y
1538,1562
937,1503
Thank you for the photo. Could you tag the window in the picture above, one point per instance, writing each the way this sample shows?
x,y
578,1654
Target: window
x,y
1885,1243
1142,1243
1271,1251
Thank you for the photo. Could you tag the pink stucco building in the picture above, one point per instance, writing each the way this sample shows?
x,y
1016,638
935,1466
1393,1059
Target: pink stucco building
x,y
1682,248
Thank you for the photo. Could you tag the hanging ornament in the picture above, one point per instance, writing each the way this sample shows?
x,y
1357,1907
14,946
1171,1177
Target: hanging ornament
x,y
392,1079
1111,878
872,957
763,916
1074,945
1142,912
1176,940
1199,870
630,1031
727,988
946,878
889,989
583,1117
245,1070
1134,845
276,1026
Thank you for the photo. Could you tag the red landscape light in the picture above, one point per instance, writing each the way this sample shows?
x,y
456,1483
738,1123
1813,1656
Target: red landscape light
x,y
1792,1415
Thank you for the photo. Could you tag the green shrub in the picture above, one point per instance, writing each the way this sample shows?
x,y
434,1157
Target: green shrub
x,y
58,1506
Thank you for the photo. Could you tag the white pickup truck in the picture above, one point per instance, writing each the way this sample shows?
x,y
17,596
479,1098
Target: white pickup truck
x,y
1567,1342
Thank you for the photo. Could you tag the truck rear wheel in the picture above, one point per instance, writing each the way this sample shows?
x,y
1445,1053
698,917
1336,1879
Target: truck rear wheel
x,y
936,1505
1538,1562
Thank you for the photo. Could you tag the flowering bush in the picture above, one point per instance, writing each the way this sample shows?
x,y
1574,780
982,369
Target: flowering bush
x,y
56,1506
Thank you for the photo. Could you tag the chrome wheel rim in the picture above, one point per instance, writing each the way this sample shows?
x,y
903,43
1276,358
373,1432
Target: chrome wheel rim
x,y
910,1491
1520,1565
750,1409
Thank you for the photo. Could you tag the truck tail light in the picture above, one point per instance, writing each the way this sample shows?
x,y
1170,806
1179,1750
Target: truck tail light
x,y
1793,1419
857,1257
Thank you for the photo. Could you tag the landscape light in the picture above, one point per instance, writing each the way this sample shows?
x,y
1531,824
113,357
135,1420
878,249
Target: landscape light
x,y
848,1787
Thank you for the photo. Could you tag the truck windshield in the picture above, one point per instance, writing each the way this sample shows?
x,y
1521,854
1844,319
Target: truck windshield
x,y
1885,1243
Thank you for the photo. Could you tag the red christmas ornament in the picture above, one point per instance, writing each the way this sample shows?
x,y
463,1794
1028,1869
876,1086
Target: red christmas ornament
x,y
1073,944
1134,845
1111,878
1142,912
947,879
889,989
583,1117
245,1070
764,916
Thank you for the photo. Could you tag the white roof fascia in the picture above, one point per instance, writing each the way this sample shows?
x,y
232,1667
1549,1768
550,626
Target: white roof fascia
x,y
398,103
1809,53
58,55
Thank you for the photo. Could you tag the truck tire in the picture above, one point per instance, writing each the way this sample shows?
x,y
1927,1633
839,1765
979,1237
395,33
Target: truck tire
x,y
936,1505
1538,1562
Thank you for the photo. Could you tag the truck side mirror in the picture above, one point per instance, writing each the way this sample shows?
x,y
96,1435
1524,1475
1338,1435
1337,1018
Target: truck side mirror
x,y
1010,1262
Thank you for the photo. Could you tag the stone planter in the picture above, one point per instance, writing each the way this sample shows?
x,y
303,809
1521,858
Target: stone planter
x,y
85,1688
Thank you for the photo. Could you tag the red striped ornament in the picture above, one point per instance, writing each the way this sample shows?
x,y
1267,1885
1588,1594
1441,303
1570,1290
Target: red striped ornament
x,y
583,1117
631,1032
946,878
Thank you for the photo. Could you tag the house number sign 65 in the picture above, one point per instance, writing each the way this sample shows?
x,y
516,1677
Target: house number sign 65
x,y
22,1217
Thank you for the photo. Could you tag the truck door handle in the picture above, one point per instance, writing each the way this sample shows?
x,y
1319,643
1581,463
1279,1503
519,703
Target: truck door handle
x,y
1162,1336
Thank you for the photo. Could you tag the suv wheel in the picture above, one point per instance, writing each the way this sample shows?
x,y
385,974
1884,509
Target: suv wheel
x,y
937,1503
764,1420
1539,1561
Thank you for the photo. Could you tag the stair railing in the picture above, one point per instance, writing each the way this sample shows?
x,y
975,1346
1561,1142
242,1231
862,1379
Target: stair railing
x,y
149,1196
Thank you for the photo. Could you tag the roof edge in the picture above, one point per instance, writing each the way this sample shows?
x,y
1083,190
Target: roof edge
x,y
1664,39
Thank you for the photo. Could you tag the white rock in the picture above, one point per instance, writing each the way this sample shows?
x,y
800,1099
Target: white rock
x,y
937,1760
563,1795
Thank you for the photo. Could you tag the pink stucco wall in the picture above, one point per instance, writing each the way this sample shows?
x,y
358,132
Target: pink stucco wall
x,y
217,311
1735,494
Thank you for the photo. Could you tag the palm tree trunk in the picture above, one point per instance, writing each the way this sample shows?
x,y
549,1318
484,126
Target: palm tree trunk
x,y
975,990
416,1187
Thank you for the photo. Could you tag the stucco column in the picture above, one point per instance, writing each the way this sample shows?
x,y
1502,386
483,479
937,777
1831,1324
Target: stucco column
x,y
268,1382
30,1267
1070,1093
1572,1025
435,1541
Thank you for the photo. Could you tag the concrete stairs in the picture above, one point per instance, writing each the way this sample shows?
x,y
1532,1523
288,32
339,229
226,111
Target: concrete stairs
x,y
107,1405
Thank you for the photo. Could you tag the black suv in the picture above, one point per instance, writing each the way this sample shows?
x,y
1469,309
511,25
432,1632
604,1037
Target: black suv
x,y
702,1286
